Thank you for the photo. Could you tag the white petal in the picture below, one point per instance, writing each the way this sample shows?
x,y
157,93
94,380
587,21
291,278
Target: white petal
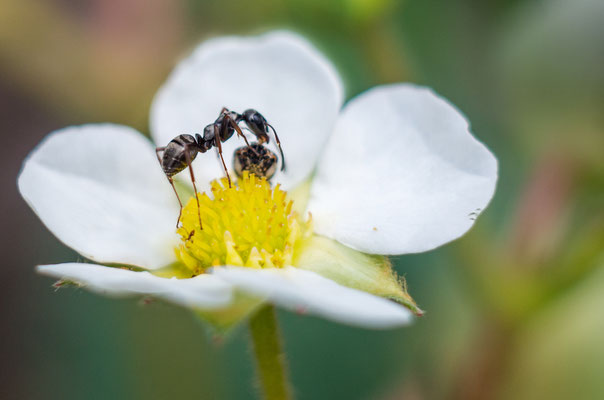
x,y
279,74
401,174
203,291
101,191
305,291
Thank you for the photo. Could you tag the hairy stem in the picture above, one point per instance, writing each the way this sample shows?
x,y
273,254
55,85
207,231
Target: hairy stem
x,y
270,359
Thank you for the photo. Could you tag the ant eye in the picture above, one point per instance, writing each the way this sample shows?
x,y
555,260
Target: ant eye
x,y
258,120
253,116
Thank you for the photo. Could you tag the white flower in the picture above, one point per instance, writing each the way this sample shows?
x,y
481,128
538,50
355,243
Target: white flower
x,y
395,171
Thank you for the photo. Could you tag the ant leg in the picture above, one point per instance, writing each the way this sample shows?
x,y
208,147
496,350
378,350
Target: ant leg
x,y
238,130
278,145
178,197
240,134
219,149
188,157
157,151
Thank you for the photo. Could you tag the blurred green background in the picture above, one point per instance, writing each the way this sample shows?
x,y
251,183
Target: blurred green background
x,y
515,309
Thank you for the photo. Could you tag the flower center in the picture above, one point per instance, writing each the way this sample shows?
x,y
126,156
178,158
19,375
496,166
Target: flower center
x,y
249,224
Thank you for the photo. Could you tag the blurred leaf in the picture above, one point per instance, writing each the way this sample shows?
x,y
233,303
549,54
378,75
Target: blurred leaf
x,y
560,353
549,60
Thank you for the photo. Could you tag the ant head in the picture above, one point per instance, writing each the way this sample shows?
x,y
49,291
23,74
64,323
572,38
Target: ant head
x,y
257,124
256,121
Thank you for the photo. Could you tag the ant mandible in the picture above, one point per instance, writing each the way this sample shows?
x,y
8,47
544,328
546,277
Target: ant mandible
x,y
182,150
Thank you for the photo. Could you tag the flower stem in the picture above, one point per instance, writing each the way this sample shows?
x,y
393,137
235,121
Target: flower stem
x,y
270,359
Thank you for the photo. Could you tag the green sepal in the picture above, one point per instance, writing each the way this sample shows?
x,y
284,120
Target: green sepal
x,y
63,283
353,269
222,321
175,270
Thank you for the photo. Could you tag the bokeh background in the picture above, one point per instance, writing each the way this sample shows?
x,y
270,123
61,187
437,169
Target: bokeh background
x,y
515,309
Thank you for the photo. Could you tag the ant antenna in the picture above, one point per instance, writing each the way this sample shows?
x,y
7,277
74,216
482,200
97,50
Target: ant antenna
x,y
278,145
190,165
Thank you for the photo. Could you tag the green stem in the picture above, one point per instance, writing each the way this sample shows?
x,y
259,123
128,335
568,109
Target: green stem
x,y
270,359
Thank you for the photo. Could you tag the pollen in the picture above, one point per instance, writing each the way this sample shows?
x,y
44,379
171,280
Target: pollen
x,y
249,224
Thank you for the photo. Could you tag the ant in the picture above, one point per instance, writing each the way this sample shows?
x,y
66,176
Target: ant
x,y
256,158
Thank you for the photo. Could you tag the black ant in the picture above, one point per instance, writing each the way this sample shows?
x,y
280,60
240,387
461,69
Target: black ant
x,y
255,158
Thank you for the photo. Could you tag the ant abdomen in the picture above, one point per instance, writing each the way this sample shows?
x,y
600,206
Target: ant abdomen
x,y
175,158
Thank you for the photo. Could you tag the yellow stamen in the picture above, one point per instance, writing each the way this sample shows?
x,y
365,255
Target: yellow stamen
x,y
249,224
